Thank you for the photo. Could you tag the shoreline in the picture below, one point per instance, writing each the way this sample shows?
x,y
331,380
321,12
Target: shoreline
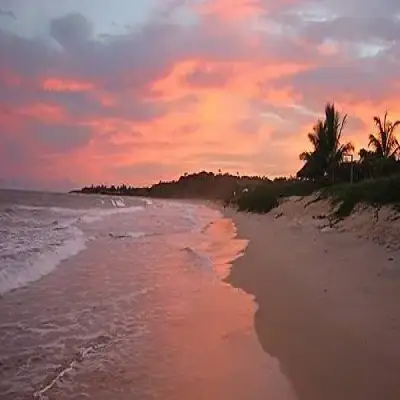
x,y
328,306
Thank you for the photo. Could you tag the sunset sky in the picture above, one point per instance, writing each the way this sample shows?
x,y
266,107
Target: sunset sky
x,y
135,91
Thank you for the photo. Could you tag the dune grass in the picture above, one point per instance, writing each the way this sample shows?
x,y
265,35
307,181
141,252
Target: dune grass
x,y
374,192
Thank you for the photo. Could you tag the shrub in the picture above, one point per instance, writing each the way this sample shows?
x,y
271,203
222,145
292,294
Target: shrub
x,y
265,197
374,192
261,200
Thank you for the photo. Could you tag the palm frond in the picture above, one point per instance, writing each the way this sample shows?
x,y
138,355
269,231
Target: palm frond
x,y
385,143
393,126
385,121
378,123
342,125
305,156
313,138
375,143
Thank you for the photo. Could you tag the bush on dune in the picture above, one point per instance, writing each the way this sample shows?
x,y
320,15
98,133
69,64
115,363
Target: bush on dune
x,y
264,198
261,200
374,192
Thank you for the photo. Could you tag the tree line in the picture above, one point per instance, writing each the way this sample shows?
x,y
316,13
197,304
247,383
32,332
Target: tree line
x,y
331,158
197,185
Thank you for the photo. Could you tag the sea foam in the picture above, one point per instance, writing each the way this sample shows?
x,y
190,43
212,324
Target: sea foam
x,y
35,240
15,276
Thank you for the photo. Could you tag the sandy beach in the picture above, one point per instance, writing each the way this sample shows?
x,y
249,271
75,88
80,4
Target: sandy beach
x,y
328,299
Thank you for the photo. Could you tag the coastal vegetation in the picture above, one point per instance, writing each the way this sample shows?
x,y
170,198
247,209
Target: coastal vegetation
x,y
202,185
372,192
328,151
329,167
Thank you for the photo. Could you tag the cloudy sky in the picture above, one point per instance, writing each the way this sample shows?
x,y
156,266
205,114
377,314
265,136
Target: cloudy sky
x,y
141,90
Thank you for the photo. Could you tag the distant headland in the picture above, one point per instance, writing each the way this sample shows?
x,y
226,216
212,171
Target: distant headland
x,y
202,185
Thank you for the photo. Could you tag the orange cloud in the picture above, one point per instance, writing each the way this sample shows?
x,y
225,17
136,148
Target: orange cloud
x,y
246,79
66,85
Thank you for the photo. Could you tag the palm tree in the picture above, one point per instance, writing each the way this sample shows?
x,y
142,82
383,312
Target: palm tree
x,y
335,151
315,138
365,155
328,151
384,144
314,162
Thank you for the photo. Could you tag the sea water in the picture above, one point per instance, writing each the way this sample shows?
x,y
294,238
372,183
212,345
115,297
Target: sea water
x,y
121,298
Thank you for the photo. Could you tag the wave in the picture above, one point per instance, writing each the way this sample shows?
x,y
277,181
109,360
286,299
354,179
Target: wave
x,y
87,215
14,277
96,345
118,203
97,214
35,240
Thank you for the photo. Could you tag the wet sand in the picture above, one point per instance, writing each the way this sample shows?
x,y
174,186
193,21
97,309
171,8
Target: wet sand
x,y
328,306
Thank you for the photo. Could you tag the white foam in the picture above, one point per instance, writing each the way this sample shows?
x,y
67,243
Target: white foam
x,y
89,214
69,367
119,203
36,243
12,278
98,214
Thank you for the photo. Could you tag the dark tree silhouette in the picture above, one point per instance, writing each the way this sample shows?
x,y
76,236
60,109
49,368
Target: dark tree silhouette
x,y
328,151
385,143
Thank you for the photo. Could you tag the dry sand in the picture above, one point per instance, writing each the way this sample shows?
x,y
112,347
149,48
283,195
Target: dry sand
x,y
328,298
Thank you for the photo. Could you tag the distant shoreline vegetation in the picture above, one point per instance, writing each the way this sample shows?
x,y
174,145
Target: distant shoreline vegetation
x,y
202,185
329,167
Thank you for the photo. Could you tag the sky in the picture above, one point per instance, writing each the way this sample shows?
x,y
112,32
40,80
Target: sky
x,y
137,91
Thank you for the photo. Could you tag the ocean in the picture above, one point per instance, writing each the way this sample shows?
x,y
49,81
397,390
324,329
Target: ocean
x,y
123,298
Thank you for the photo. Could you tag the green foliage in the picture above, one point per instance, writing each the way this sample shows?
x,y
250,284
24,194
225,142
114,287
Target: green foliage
x,y
202,185
265,197
374,192
260,200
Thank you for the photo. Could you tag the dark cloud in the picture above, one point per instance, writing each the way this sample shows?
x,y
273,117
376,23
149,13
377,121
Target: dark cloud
x,y
72,31
61,138
7,13
28,58
353,79
357,29
362,8
135,60
341,20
